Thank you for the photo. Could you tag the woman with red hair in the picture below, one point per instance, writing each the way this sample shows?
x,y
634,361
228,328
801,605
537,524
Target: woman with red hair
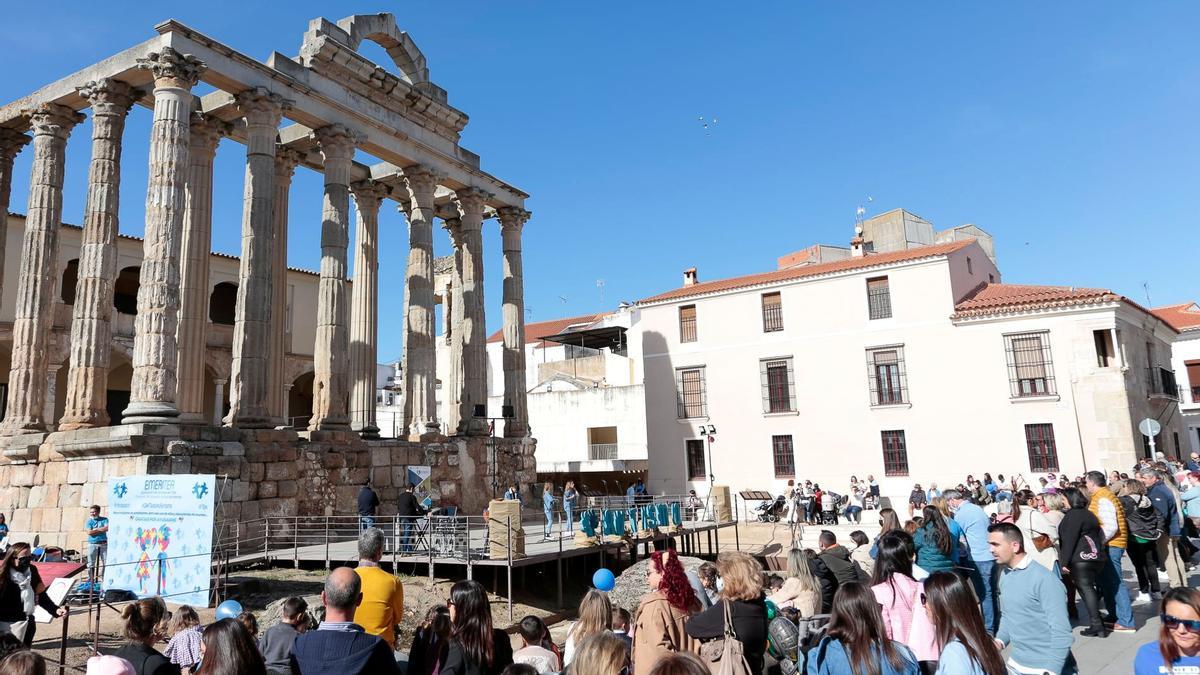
x,y
659,622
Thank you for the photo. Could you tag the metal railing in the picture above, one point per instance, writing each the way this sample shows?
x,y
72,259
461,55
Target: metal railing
x,y
1161,383
602,451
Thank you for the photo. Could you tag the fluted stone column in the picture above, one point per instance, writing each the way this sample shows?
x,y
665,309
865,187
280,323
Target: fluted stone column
x,y
364,311
248,388
286,161
330,388
453,384
474,362
420,386
11,143
511,221
204,136
51,124
51,395
155,348
218,401
91,327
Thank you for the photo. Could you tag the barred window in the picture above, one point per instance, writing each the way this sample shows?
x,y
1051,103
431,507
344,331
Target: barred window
x,y
888,379
895,453
1030,368
695,459
879,298
778,385
784,458
689,387
1043,455
772,312
687,323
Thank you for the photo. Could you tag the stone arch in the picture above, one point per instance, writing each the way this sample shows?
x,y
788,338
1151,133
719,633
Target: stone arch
x,y
70,278
222,303
125,290
383,31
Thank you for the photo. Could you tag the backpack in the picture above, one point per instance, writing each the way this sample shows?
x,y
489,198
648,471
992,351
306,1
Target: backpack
x,y
1144,523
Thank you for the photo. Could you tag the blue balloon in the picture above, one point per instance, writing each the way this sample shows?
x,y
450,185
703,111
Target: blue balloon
x,y
230,609
603,580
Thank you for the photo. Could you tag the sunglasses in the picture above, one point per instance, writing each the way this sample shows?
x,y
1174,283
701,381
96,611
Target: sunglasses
x,y
1173,622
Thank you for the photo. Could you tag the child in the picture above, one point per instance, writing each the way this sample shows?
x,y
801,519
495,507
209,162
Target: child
x,y
431,642
277,642
534,634
620,623
185,631
250,622
774,583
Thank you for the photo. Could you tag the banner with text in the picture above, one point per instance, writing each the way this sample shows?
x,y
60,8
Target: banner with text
x,y
160,536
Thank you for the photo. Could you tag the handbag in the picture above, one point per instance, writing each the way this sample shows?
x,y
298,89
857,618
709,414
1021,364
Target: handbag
x,y
1042,541
724,655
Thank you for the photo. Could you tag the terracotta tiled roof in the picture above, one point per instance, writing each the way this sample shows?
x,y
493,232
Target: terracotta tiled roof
x,y
1182,317
993,298
539,329
870,260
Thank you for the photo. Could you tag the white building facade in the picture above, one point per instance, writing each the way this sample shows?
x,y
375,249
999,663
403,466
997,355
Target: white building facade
x,y
913,364
1185,361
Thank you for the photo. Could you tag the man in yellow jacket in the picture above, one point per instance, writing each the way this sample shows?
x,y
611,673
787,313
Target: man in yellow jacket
x,y
382,604
1107,509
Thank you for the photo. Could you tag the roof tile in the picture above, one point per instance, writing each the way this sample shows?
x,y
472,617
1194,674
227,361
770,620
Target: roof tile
x,y
539,329
1182,317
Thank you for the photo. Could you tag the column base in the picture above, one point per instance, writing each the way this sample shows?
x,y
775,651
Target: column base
x,y
22,425
515,429
249,422
370,431
476,427
89,420
150,412
329,424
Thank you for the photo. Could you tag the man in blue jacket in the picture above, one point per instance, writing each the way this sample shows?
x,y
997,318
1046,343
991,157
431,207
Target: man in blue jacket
x,y
974,523
339,646
1168,542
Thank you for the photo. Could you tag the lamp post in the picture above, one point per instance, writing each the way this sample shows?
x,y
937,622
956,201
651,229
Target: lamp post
x,y
506,413
708,432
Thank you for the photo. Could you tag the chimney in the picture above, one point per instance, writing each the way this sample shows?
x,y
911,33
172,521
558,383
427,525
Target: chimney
x,y
690,278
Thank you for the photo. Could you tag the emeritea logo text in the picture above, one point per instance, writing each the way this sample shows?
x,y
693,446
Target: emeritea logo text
x,y
159,485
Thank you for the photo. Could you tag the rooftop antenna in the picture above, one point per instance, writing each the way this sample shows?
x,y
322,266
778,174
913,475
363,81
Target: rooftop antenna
x,y
600,285
1146,288
856,244
528,313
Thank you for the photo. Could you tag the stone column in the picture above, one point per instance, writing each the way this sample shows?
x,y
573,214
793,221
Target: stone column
x,y
420,386
286,161
287,397
91,327
364,310
330,390
155,349
249,385
511,221
474,362
192,333
51,124
11,143
218,401
51,397
453,385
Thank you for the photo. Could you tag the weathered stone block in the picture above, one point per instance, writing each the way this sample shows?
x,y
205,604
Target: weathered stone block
x,y
240,490
289,488
21,520
380,457
233,449
181,465
229,466
251,510
54,473
68,496
256,471
44,495
281,471
268,489
356,476
452,459
333,460
22,475
95,470
77,471
205,464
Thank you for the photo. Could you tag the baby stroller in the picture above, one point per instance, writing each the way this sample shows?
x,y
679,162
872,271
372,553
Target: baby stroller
x,y
829,516
771,511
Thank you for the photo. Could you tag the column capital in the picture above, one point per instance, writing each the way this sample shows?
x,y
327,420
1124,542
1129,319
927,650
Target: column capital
x,y
108,96
512,218
336,142
453,227
52,119
205,131
172,69
286,161
260,106
470,205
368,194
421,181
11,142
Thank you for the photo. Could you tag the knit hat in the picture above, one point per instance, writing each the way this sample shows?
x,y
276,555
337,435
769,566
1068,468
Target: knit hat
x,y
109,665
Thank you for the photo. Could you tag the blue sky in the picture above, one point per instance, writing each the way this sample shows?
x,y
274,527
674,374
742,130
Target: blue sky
x,y
1067,130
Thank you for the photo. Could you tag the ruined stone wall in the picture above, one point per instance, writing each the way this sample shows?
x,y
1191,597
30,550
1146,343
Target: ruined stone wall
x,y
261,473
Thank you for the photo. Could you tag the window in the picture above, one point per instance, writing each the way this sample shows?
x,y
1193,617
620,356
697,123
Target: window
x,y
991,278
885,368
778,385
1193,375
687,323
970,267
879,298
1104,348
1043,456
785,459
695,459
772,312
1030,369
895,453
689,386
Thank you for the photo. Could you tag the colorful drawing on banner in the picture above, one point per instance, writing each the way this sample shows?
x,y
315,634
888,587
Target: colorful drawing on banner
x,y
418,477
160,536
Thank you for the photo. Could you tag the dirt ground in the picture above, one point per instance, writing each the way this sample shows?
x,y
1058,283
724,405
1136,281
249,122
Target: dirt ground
x,y
257,588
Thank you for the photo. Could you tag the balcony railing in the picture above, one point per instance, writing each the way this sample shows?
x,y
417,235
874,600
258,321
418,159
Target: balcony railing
x,y
602,451
1162,384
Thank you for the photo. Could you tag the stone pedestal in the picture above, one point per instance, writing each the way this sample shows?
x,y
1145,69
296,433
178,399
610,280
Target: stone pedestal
x,y
155,349
91,328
